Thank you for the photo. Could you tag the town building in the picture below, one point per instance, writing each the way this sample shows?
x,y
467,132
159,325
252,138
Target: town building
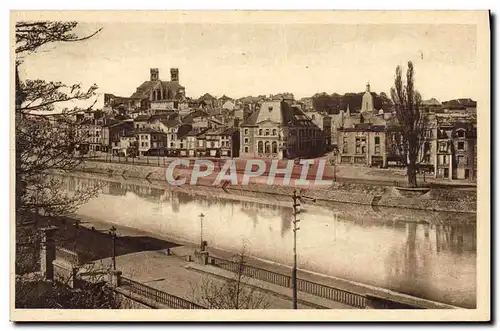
x,y
366,144
279,130
456,148
151,142
112,133
324,122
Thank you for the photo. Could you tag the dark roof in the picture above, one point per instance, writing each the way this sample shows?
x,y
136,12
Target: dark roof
x,y
194,114
149,130
225,97
230,131
184,129
207,96
216,121
148,85
171,123
196,132
364,127
111,122
252,119
141,118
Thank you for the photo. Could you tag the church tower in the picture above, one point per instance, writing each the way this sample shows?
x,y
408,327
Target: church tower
x,y
367,102
154,74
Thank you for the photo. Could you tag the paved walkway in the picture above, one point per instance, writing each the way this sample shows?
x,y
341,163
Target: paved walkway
x,y
146,260
175,275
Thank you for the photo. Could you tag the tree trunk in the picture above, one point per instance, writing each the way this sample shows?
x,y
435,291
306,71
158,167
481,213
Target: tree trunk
x,y
411,172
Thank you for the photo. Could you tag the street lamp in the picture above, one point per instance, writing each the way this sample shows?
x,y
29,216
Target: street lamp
x,y
201,231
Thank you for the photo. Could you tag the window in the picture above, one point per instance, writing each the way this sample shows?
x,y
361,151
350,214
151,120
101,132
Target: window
x,y
267,147
377,140
260,147
461,159
443,147
377,149
428,133
461,133
260,132
427,147
270,108
172,145
246,149
345,149
363,149
358,149
267,132
461,145
427,159
246,140
182,145
445,159
275,147
274,132
172,136
246,132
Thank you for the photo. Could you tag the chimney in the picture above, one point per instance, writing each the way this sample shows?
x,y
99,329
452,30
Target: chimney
x,y
154,74
174,74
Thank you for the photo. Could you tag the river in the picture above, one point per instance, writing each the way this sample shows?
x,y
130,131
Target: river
x,y
426,254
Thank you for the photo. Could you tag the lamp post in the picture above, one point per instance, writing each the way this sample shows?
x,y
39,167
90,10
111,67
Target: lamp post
x,y
201,231
112,232
333,161
297,200
296,220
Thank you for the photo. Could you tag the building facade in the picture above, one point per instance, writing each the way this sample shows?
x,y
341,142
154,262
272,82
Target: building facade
x,y
279,130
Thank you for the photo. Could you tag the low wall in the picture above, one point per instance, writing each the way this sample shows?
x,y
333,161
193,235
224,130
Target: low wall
x,y
442,199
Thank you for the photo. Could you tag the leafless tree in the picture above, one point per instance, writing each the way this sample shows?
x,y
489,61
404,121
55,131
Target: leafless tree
x,y
412,121
233,293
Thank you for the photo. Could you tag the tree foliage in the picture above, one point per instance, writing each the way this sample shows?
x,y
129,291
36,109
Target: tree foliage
x,y
412,121
46,135
334,103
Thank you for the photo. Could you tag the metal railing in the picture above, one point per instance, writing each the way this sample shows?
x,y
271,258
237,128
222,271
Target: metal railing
x,y
335,294
254,272
157,295
331,293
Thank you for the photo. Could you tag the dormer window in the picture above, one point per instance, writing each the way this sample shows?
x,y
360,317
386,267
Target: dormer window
x,y
461,133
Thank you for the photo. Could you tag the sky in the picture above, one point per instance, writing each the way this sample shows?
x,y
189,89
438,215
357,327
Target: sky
x,y
265,58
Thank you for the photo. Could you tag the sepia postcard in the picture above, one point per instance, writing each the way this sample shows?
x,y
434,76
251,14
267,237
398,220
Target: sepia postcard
x,y
250,166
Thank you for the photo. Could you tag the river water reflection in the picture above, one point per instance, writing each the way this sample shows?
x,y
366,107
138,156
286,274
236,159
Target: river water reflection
x,y
391,248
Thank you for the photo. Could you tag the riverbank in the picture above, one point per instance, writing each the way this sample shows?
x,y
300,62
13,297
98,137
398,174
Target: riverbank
x,y
437,199
143,256
409,251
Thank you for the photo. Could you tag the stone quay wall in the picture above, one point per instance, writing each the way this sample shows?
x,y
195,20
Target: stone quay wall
x,y
437,199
